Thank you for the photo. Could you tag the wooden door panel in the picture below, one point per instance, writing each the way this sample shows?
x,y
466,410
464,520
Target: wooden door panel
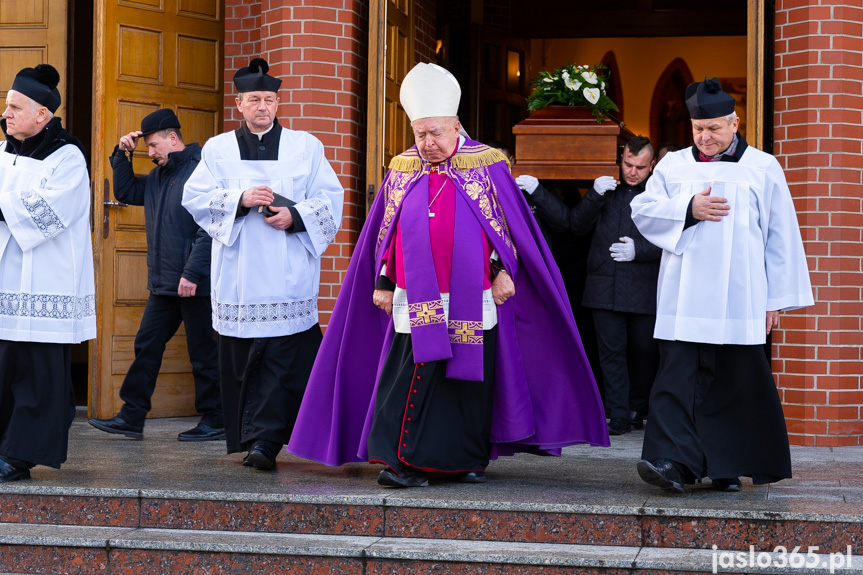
x,y
32,32
150,54
198,125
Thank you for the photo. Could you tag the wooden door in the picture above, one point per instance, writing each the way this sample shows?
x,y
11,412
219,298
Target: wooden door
x,y
149,54
391,56
31,33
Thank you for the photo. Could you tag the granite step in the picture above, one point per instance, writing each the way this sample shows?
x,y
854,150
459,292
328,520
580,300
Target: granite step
x,y
397,516
30,548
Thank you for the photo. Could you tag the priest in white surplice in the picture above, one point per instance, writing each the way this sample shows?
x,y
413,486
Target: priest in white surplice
x,y
732,260
266,262
47,296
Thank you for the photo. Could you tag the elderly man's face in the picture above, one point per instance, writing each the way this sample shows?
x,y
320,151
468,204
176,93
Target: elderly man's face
x,y
636,168
714,135
24,117
436,138
258,109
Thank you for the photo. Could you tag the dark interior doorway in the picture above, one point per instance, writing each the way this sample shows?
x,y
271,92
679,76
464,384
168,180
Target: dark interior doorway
x,y
79,120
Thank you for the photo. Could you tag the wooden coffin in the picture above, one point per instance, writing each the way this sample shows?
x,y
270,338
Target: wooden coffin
x,y
567,143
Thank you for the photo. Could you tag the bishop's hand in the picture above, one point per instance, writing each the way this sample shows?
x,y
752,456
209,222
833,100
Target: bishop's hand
x,y
383,299
502,287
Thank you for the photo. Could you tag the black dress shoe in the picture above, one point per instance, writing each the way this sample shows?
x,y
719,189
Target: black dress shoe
x,y
618,426
262,455
472,477
662,473
118,425
636,420
203,432
11,473
409,478
731,484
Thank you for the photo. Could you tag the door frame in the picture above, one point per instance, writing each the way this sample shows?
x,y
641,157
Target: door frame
x,y
756,87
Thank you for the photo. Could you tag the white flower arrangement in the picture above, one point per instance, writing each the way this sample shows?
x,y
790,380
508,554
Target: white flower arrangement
x,y
573,85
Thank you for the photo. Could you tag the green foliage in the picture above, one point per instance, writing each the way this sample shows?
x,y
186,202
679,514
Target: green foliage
x,y
571,85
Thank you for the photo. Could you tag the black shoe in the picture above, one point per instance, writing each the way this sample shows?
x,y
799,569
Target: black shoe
x,y
618,426
118,425
662,473
472,477
731,485
11,473
203,432
636,420
262,456
409,478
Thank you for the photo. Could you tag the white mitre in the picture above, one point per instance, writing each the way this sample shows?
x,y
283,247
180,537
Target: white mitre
x,y
429,91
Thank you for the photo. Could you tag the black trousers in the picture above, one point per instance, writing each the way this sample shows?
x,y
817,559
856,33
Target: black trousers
x,y
161,320
37,402
263,383
628,356
425,420
715,410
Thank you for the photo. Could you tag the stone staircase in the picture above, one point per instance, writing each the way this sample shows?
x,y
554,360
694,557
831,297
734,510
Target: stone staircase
x,y
140,532
159,506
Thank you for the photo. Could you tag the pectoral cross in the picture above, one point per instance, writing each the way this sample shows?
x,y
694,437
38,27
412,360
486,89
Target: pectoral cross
x,y
431,213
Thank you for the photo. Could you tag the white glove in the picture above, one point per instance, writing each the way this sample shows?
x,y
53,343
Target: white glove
x,y
604,183
624,251
527,183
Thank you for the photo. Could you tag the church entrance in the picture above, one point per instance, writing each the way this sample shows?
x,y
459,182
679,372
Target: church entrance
x,y
149,54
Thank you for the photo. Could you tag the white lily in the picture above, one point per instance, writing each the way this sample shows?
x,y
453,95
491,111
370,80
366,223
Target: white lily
x,y
591,95
589,77
572,84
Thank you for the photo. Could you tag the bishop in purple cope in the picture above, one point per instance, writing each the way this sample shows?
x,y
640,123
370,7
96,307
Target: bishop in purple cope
x,y
452,341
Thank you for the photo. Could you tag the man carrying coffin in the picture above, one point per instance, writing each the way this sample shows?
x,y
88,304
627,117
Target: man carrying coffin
x,y
452,341
732,260
272,204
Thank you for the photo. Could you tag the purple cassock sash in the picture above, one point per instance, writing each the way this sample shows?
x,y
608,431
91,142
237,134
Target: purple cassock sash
x,y
433,338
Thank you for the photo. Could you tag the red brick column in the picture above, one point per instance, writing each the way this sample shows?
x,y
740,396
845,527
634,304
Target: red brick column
x,y
818,135
319,50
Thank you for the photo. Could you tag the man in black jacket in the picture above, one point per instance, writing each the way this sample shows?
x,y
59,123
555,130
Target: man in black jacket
x,y
622,271
178,262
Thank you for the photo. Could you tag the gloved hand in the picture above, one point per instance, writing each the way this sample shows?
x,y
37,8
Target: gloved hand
x,y
624,251
527,183
604,183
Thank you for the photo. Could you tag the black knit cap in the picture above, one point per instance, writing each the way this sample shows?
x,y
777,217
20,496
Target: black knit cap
x,y
706,100
159,120
40,85
254,78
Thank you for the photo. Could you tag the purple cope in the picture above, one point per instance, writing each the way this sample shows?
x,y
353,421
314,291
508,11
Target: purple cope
x,y
545,395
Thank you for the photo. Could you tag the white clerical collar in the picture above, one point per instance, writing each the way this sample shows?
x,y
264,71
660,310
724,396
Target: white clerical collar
x,y
260,135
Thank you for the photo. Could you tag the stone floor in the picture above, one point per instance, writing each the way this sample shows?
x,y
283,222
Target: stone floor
x,y
827,481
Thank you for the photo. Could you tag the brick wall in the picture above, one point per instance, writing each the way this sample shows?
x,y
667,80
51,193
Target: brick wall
x,y
319,50
818,135
424,29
